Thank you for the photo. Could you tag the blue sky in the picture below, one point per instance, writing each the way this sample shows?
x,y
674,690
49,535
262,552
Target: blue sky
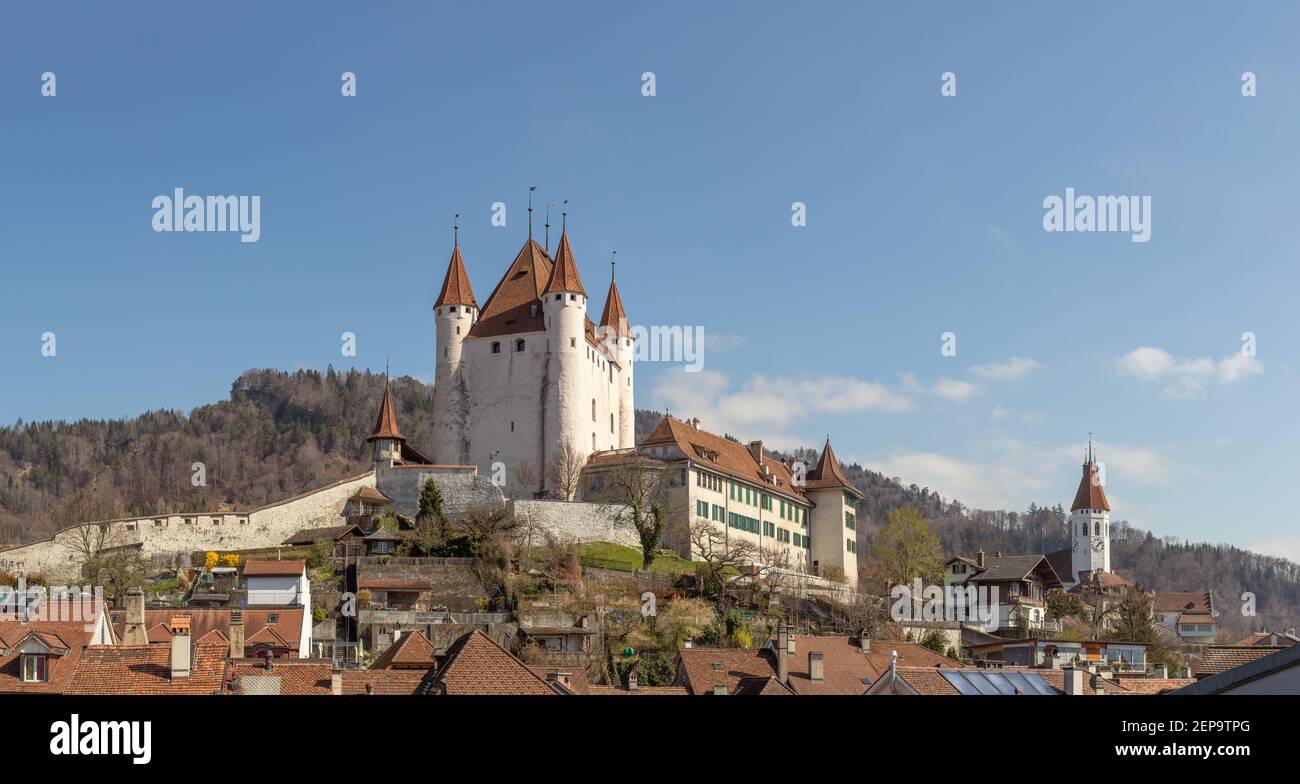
x,y
924,216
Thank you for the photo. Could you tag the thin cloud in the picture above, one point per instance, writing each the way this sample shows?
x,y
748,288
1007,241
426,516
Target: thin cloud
x,y
1186,378
1013,369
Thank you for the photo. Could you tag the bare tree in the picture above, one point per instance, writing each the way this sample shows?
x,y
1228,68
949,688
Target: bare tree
x,y
103,556
774,568
640,484
565,469
523,479
723,557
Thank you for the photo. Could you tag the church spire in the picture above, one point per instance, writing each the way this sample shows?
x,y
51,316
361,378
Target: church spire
x,y
386,424
1090,494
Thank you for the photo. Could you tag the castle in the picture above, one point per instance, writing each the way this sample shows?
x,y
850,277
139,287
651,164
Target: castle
x,y
529,376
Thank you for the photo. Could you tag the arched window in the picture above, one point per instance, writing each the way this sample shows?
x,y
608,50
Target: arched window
x,y
1096,529
611,423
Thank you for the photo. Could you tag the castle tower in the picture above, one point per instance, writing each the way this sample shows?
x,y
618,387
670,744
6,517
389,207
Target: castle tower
x,y
617,337
386,440
569,414
455,312
1090,523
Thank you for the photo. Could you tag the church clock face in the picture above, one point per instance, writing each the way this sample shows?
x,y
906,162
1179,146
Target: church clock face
x,y
1097,545
1075,545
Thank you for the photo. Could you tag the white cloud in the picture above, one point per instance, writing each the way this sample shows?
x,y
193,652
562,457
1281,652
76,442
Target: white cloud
x,y
954,389
1287,547
1186,378
721,342
764,407
1013,369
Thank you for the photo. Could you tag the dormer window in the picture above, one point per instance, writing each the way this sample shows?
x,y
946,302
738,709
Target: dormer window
x,y
35,668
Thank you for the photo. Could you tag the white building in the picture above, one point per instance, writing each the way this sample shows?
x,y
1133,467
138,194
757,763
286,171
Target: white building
x,y
530,370
1089,526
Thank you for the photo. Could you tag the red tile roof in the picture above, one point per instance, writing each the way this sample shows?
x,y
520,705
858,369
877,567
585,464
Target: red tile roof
x,y
386,424
1090,494
828,473
477,665
509,309
412,650
564,275
1181,602
214,624
1217,658
146,669
71,636
291,677
455,287
721,454
382,682
614,318
602,690
274,568
1267,638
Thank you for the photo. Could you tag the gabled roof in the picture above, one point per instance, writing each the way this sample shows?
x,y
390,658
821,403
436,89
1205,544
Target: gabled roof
x,y
205,622
1016,567
508,309
477,665
386,424
455,286
1185,602
721,454
70,636
312,535
1281,639
564,275
287,677
828,473
1237,677
146,669
614,318
410,650
1219,658
1090,494
1108,581
370,495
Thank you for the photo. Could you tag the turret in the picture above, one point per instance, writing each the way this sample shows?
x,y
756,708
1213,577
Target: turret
x,y
386,440
615,334
564,302
455,312
1090,523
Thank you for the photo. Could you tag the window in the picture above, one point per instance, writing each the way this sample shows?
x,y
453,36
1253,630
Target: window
x,y
850,520
272,618
702,508
850,545
34,668
496,347
519,345
611,423
1096,529
593,409
573,342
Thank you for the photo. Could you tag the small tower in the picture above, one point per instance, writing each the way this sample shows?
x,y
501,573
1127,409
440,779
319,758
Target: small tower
x,y
615,334
386,440
1089,522
568,404
455,312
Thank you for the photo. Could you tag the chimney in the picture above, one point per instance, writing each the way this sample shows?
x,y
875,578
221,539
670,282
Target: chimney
x,y
1161,671
816,666
1098,684
134,632
181,653
1073,680
865,642
756,449
236,633
631,682
565,679
784,648
336,682
720,690
695,422
979,559
893,665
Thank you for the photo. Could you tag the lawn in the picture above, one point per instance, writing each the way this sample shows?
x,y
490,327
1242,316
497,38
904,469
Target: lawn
x,y
626,559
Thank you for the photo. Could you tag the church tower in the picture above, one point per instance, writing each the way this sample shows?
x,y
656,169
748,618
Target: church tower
x,y
1090,523
615,333
564,302
455,313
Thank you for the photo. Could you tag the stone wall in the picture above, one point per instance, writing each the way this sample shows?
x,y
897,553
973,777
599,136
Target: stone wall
x,y
578,521
461,489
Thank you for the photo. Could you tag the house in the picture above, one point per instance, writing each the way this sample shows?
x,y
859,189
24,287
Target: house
x,y
1277,673
1189,615
1215,659
42,640
1049,652
1281,638
574,639
282,583
1016,588
254,632
182,667
411,651
802,664
346,539
397,593
475,665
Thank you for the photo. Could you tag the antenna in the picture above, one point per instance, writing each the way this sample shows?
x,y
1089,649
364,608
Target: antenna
x,y
531,188
613,261
549,205
455,230
564,217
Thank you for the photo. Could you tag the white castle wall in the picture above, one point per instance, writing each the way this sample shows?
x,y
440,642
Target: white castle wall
x,y
58,558
577,521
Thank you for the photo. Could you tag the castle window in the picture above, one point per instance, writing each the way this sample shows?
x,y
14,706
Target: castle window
x,y
532,310
593,409
496,347
573,342
573,297
593,442
559,297
457,330
1096,529
611,423
453,308
519,345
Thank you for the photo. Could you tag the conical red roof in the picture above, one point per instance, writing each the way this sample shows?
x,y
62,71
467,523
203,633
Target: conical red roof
x,y
1090,494
614,317
828,473
386,424
455,287
564,277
